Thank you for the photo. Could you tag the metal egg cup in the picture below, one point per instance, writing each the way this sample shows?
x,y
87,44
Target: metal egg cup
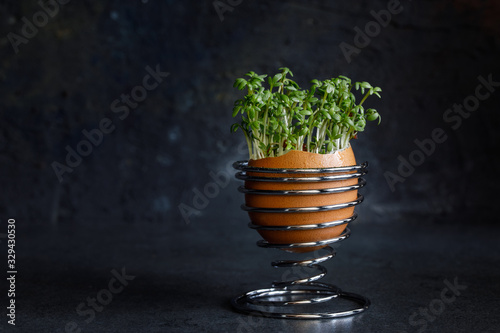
x,y
284,298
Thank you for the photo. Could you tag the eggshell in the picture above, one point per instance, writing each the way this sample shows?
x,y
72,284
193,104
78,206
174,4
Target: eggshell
x,y
293,160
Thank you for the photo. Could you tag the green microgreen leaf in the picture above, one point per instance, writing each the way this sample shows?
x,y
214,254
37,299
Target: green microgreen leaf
x,y
282,116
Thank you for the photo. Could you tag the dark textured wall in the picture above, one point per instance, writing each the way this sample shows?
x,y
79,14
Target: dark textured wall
x,y
64,79
120,205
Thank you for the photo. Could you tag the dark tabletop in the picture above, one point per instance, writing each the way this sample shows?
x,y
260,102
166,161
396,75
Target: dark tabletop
x,y
181,279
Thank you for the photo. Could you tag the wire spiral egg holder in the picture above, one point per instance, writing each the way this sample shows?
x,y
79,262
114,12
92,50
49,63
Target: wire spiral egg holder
x,y
287,299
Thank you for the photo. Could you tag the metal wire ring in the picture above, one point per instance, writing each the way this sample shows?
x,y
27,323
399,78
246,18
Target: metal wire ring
x,y
243,166
304,209
345,234
304,226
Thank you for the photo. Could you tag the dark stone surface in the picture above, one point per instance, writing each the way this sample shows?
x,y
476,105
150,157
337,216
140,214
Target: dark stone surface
x,y
119,207
184,279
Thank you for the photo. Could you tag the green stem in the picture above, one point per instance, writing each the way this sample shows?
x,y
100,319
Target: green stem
x,y
364,98
249,144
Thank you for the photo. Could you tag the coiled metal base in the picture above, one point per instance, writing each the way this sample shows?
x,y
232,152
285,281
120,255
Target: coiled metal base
x,y
294,298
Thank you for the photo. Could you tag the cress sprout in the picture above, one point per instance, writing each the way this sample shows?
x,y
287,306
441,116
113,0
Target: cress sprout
x,y
283,117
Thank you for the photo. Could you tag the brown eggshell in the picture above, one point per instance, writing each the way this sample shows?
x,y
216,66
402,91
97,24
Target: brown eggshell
x,y
293,160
